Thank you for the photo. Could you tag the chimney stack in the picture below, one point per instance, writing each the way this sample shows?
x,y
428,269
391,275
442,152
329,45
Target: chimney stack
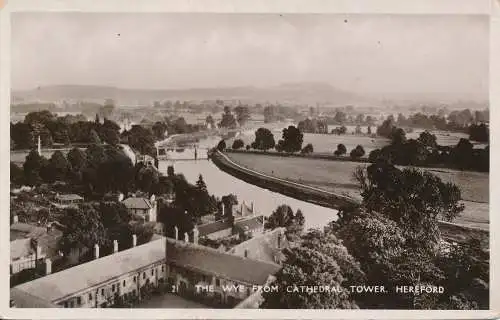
x,y
223,208
186,237
115,246
134,240
96,251
176,233
48,266
15,219
196,234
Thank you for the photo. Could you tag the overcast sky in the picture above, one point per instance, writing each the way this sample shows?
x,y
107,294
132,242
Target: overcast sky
x,y
372,54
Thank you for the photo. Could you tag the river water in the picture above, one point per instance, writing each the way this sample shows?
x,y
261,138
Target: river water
x,y
265,202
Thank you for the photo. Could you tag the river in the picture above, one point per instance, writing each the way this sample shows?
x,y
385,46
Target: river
x,y
220,183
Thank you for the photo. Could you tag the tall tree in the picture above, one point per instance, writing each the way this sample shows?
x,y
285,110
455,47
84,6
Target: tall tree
x,y
32,167
264,139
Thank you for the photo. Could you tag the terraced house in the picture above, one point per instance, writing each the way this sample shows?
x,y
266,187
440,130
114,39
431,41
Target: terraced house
x,y
107,281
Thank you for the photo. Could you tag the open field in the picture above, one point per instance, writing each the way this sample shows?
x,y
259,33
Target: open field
x,y
336,176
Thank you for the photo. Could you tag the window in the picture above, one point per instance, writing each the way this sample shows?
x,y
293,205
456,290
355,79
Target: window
x,y
113,288
124,283
134,292
162,268
78,300
102,292
90,296
65,304
135,279
152,271
144,275
72,304
217,282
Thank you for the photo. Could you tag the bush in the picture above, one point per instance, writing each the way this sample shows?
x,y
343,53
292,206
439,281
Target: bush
x,y
357,152
247,147
221,146
238,144
341,149
307,149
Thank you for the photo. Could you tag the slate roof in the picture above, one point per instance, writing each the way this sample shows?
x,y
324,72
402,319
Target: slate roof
x,y
224,265
24,230
23,299
212,227
137,203
251,223
20,248
68,197
263,247
60,284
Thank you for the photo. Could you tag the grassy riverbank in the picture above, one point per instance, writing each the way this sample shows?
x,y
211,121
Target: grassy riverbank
x,y
336,177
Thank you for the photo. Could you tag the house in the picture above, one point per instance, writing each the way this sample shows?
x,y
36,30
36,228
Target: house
x,y
143,207
24,254
246,224
31,244
268,247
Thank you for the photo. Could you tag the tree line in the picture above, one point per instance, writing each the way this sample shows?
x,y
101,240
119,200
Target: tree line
x,y
391,240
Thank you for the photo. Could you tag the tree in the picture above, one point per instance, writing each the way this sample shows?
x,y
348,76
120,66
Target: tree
x,y
58,167
242,114
428,140
369,130
358,130
413,199
228,120
397,136
340,117
142,140
313,264
94,137
238,144
228,201
357,152
147,178
76,159
16,174
307,149
210,121
83,228
221,146
292,139
22,135
264,139
341,150
283,217
386,129
159,129
170,171
360,119
480,132
110,132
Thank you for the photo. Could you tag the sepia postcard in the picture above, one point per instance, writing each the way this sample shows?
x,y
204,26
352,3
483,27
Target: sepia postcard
x,y
219,159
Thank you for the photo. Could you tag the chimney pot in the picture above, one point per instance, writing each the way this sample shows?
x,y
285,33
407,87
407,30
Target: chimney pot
x,y
48,266
115,246
96,251
134,240
176,233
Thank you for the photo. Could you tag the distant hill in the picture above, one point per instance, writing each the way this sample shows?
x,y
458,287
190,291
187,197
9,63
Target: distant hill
x,y
310,93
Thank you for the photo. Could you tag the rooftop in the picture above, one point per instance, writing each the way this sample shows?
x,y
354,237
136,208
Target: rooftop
x,y
252,223
208,228
58,285
137,203
20,248
214,262
263,247
21,230
68,197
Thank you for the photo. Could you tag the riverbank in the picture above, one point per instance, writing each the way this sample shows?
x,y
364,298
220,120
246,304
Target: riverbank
x,y
451,231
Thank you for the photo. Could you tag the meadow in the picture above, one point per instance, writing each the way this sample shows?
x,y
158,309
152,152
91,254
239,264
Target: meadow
x,y
336,176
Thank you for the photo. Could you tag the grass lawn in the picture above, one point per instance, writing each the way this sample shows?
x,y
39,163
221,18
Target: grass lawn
x,y
336,176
